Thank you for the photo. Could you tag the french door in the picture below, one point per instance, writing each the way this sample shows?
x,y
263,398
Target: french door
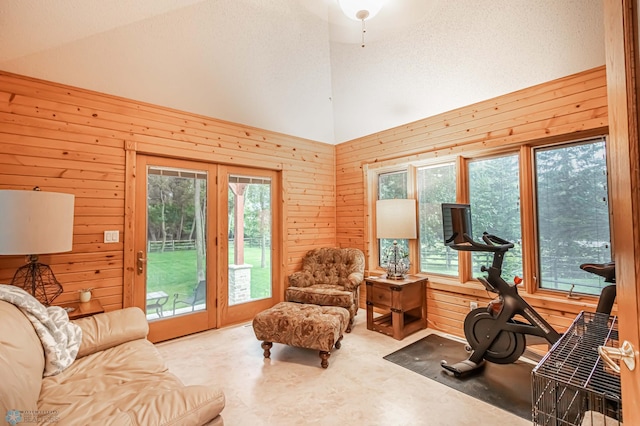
x,y
204,248
248,212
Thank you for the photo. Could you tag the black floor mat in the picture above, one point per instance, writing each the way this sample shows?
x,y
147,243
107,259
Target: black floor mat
x,y
506,386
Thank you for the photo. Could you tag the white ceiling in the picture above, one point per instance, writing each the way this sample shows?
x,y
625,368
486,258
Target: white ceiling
x,y
296,66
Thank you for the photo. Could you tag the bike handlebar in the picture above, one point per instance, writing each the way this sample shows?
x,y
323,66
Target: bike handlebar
x,y
492,244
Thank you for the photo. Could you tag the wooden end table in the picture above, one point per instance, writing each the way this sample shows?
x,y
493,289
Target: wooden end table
x,y
77,310
404,301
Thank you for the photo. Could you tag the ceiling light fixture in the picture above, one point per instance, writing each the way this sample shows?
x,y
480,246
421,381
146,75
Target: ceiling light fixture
x,y
361,10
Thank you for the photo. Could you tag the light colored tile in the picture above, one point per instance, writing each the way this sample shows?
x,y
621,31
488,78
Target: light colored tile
x,y
359,387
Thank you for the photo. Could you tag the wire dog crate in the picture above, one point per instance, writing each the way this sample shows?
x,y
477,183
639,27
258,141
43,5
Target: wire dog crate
x,y
571,385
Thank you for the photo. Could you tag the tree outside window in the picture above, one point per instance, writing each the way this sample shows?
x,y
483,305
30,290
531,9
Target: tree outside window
x,y
494,195
572,215
390,186
436,185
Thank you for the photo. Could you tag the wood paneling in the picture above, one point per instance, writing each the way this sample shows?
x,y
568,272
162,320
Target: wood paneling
x,y
72,140
564,109
67,139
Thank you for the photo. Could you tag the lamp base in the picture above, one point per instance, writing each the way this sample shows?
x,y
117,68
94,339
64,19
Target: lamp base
x,y
38,280
394,276
397,262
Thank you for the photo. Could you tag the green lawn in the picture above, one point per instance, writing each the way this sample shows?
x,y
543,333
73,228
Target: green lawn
x,y
175,272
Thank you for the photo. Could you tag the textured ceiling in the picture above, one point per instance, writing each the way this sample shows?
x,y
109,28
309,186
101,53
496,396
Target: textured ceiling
x,y
296,66
30,26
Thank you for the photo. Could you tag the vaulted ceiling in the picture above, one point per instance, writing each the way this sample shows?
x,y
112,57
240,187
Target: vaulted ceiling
x,y
296,66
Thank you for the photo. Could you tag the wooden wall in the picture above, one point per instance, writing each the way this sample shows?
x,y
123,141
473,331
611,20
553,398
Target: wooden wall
x,y
66,139
72,140
564,109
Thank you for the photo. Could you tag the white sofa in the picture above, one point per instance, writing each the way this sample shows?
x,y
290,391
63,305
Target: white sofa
x,y
118,377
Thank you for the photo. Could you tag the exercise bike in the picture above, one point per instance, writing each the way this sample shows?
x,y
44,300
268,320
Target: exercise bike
x,y
492,332
607,294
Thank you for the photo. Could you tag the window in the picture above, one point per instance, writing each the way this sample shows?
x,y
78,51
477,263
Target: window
x,y
391,185
494,195
436,185
566,217
572,215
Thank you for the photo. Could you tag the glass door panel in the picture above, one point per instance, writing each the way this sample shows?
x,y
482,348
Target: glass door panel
x,y
176,254
175,279
249,231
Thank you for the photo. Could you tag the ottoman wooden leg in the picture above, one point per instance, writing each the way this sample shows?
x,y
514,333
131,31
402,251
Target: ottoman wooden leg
x,y
324,355
339,343
267,349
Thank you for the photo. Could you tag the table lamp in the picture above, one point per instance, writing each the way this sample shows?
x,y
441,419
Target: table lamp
x,y
396,220
33,223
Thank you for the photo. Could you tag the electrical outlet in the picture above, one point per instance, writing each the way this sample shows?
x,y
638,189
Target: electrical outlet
x,y
473,305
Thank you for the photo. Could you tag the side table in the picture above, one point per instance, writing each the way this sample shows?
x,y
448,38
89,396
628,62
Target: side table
x,y
404,301
77,310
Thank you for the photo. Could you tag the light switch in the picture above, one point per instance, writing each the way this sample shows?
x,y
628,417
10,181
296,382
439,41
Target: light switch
x,y
111,236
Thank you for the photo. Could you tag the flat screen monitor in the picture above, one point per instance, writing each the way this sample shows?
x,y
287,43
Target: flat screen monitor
x,y
456,221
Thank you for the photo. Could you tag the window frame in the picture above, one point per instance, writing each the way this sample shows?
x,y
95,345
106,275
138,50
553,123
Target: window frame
x,y
406,188
456,166
536,265
477,159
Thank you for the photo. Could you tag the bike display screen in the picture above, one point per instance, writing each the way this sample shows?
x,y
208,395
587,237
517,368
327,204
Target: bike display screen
x,y
456,221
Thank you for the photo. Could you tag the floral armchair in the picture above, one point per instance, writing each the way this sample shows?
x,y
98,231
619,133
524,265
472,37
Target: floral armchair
x,y
329,277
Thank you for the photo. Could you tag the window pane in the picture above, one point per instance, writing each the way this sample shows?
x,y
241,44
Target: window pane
x,y
391,185
494,192
436,185
573,215
249,233
176,242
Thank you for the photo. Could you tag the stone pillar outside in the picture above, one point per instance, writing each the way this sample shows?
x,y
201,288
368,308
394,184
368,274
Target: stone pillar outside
x,y
239,283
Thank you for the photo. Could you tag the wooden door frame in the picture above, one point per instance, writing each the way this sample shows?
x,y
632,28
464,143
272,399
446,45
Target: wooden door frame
x,y
279,249
621,43
228,315
177,326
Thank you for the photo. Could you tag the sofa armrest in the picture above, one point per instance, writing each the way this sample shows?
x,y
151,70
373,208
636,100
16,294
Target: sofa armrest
x,y
301,279
109,329
355,279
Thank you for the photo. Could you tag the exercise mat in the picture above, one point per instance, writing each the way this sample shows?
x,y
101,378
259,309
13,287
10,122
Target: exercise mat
x,y
507,386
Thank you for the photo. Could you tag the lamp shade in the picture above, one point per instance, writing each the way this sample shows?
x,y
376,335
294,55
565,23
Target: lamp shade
x,y
353,8
35,222
396,219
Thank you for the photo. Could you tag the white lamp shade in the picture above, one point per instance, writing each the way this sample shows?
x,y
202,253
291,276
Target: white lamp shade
x,y
396,219
35,222
351,8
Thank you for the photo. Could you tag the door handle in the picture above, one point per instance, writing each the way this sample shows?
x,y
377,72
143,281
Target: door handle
x,y
140,261
624,352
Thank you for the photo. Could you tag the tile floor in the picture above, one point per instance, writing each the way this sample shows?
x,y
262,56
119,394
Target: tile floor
x,y
358,388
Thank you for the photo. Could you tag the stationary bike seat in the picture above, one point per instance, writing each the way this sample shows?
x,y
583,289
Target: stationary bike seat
x,y
605,270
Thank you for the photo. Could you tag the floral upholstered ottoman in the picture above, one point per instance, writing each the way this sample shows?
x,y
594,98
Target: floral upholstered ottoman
x,y
302,325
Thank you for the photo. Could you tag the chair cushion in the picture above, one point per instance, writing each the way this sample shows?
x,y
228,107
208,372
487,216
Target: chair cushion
x,y
320,294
